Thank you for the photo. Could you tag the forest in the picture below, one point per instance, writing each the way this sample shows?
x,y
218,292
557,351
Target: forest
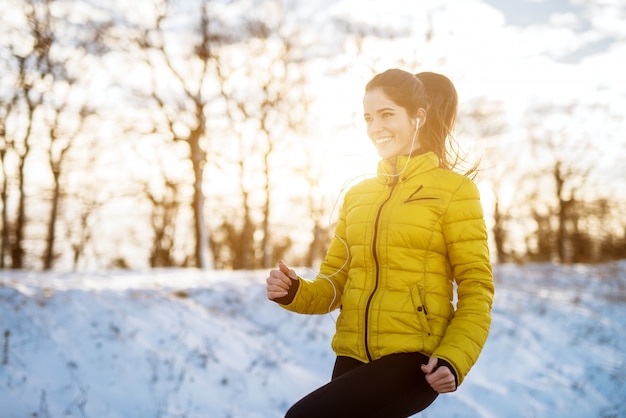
x,y
200,133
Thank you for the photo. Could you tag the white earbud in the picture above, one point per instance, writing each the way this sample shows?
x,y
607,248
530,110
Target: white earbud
x,y
417,122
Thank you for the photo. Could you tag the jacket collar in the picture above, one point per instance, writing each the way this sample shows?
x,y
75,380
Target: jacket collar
x,y
404,167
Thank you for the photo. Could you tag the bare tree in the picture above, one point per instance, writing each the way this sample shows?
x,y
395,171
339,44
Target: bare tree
x,y
564,152
43,117
5,111
183,101
319,209
268,115
82,218
32,75
67,109
61,141
80,234
163,221
209,99
483,121
19,142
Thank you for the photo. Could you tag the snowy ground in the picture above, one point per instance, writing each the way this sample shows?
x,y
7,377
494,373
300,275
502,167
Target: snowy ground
x,y
184,343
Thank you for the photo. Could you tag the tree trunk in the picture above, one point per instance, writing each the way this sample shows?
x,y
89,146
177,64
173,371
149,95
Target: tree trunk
x,y
48,259
4,243
198,159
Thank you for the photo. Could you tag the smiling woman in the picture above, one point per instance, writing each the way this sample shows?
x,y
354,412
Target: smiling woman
x,y
402,240
392,130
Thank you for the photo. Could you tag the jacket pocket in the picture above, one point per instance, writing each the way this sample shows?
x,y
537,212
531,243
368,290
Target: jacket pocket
x,y
420,309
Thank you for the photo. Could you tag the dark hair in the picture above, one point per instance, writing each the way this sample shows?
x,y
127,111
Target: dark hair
x,y
401,87
436,94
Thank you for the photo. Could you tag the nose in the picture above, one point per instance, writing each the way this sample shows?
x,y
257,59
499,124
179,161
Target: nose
x,y
376,125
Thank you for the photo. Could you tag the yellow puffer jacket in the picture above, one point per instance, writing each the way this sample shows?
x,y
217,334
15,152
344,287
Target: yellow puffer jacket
x,y
401,241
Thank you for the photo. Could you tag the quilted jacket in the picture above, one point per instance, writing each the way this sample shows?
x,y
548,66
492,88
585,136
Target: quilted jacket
x,y
401,243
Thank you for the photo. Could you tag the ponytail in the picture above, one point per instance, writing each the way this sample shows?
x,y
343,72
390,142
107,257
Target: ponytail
x,y
436,133
436,94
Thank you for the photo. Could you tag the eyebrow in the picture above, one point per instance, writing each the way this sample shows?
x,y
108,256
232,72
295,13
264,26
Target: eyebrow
x,y
384,109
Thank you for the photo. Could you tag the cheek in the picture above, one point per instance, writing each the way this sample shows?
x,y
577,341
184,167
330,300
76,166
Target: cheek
x,y
409,130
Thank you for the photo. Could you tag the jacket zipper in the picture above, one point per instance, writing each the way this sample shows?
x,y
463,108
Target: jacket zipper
x,y
377,269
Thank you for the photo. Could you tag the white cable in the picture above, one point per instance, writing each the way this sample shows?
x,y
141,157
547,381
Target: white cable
x,y
341,191
409,156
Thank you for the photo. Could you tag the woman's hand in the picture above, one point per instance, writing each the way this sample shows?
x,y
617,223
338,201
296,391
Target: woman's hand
x,y
279,281
441,378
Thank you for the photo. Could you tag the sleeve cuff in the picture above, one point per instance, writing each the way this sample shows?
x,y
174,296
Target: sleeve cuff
x,y
441,362
291,293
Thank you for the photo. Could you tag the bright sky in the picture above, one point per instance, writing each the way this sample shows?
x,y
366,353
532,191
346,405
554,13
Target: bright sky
x,y
517,51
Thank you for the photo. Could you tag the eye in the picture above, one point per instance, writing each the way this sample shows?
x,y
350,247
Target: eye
x,y
386,115
367,119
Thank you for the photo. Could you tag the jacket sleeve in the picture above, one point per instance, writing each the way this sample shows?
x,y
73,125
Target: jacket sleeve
x,y
465,233
323,294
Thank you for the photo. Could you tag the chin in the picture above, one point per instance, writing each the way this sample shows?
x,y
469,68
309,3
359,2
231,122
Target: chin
x,y
387,155
384,154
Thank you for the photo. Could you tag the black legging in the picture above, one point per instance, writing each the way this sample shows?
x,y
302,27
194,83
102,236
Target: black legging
x,y
392,386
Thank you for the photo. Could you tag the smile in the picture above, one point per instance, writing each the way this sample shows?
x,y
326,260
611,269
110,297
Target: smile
x,y
384,140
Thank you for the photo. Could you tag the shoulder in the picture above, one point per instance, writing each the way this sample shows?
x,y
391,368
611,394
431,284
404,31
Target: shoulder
x,y
457,184
364,186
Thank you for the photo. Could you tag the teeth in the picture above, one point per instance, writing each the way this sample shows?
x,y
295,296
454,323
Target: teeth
x,y
383,140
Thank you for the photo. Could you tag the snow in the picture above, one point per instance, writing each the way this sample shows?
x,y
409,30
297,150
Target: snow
x,y
189,343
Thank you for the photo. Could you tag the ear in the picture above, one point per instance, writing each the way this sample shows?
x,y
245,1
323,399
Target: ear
x,y
420,118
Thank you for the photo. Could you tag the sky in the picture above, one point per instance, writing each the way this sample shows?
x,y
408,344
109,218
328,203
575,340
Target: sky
x,y
516,52
577,44
186,343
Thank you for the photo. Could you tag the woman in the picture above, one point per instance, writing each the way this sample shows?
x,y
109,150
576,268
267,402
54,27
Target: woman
x,y
401,241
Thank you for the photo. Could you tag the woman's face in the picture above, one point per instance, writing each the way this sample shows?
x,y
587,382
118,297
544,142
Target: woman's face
x,y
389,126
